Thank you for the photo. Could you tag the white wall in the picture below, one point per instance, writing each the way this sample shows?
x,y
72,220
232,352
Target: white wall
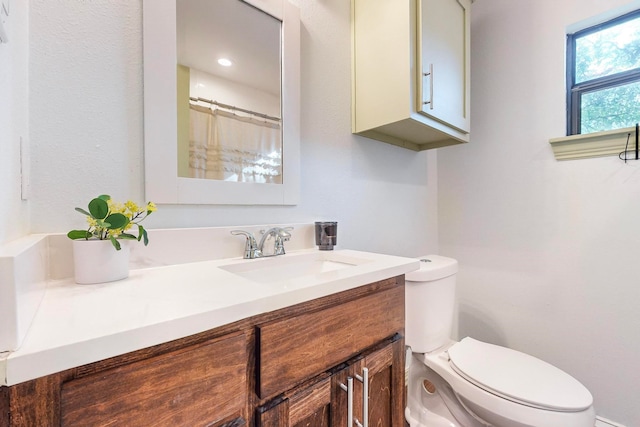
x,y
14,214
548,250
87,134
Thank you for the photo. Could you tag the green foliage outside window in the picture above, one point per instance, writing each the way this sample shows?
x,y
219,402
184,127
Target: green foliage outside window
x,y
614,108
607,75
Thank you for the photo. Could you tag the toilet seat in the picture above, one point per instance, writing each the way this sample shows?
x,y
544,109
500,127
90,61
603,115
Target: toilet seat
x,y
518,377
496,409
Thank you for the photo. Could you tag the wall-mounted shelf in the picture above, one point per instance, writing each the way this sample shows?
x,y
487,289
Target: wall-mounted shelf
x,y
410,72
597,144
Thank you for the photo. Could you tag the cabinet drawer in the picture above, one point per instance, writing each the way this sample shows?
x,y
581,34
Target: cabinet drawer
x,y
294,349
198,385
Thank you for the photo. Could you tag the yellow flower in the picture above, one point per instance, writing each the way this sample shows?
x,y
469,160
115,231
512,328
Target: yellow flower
x,y
91,221
115,207
151,207
131,207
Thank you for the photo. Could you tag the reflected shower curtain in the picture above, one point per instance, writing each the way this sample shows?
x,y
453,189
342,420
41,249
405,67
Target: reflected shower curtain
x,y
229,147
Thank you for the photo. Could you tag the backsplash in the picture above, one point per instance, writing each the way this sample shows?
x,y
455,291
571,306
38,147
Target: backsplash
x,y
179,246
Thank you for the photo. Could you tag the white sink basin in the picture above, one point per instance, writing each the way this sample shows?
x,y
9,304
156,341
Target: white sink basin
x,y
293,266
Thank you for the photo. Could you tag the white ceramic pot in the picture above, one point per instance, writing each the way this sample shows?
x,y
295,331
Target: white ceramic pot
x,y
97,261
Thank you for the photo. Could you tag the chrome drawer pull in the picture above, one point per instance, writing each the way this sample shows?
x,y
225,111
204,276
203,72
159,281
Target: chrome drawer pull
x,y
364,379
349,389
430,75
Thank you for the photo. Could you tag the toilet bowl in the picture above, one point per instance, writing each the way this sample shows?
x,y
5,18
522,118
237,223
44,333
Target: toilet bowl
x,y
471,383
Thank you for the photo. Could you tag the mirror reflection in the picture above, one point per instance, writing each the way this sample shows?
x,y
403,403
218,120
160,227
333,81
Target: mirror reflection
x,y
228,92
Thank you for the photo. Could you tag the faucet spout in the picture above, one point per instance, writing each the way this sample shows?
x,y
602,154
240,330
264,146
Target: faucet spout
x,y
280,235
254,250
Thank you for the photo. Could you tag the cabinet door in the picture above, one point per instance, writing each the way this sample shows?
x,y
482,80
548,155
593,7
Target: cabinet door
x,y
384,404
443,61
342,407
327,402
386,385
308,407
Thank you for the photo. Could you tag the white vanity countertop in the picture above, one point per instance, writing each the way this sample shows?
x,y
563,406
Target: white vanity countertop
x,y
80,324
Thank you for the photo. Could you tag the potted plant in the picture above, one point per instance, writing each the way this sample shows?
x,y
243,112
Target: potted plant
x,y
100,252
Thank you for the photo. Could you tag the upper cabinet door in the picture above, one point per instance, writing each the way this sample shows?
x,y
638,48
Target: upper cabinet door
x,y
443,59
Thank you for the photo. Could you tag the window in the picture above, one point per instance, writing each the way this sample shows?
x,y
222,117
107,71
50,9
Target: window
x,y
603,76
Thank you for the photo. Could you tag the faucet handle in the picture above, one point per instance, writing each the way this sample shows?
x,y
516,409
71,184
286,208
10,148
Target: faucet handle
x,y
283,235
251,249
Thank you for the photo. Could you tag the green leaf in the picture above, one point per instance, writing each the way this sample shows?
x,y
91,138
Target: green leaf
x,y
115,242
116,220
127,236
82,211
98,208
143,233
104,197
100,223
78,234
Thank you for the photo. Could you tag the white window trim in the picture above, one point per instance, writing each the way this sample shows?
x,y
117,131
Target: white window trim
x,y
597,144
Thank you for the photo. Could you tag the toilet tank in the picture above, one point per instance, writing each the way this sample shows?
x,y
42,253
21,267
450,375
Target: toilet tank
x,y
429,303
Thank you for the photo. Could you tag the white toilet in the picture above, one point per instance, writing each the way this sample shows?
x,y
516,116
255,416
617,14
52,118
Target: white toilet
x,y
471,383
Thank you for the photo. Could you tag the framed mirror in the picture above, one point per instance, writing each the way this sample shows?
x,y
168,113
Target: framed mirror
x,y
197,115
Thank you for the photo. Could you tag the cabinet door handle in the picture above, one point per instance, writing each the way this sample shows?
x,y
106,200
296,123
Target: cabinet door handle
x,y
349,389
364,379
430,75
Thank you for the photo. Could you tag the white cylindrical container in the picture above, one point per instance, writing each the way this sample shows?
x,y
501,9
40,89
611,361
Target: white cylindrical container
x,y
97,261
429,303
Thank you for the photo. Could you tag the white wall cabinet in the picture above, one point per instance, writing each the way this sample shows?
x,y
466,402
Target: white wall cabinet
x,y
411,71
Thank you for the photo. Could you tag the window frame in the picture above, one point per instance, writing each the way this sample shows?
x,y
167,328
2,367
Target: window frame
x,y
575,91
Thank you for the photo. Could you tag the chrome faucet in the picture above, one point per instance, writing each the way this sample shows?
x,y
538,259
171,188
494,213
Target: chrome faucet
x,y
280,235
251,250
254,250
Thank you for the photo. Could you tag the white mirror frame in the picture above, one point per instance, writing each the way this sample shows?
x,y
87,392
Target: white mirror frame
x,y
162,184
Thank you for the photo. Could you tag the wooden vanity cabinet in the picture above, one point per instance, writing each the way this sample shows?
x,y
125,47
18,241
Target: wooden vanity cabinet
x,y
203,384
199,384
335,343
281,368
293,349
325,402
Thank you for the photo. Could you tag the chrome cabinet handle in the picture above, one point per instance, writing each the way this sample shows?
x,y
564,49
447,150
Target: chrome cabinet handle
x,y
364,379
349,389
430,75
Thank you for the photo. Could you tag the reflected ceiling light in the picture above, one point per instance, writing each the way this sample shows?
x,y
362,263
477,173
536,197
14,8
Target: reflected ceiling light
x,y
225,62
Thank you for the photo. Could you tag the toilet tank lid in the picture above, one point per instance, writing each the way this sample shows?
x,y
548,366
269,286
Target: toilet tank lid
x,y
433,267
